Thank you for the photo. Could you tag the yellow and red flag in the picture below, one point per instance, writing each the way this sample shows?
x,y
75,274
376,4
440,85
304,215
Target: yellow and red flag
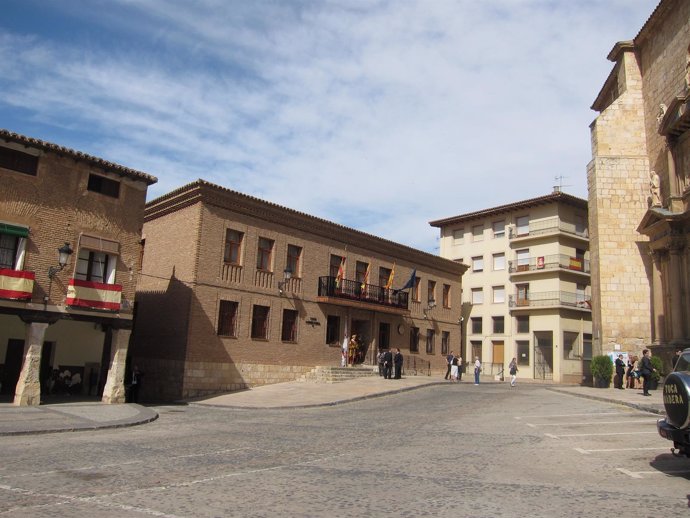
x,y
341,273
365,280
391,276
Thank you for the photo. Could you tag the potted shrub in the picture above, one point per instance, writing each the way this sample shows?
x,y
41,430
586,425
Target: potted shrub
x,y
656,375
602,370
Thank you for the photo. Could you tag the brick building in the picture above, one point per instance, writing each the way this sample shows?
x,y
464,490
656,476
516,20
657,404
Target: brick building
x,y
527,291
639,192
217,312
70,311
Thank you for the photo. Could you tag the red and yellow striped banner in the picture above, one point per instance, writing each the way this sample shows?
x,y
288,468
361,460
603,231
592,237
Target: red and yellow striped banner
x,y
16,284
93,295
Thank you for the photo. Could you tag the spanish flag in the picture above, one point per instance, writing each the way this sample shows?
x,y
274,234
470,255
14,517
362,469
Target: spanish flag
x,y
389,284
365,281
341,273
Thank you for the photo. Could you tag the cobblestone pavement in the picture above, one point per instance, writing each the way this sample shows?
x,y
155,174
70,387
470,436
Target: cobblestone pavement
x,y
441,450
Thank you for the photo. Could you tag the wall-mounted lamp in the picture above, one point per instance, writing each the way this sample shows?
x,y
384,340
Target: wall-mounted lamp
x,y
287,276
63,256
431,304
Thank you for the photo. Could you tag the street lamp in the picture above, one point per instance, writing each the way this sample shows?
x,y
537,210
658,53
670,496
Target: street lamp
x,y
287,276
63,256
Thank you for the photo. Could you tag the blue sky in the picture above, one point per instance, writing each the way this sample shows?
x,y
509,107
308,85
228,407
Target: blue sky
x,y
377,114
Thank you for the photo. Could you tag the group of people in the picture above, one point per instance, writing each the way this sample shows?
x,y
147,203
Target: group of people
x,y
638,373
454,371
388,362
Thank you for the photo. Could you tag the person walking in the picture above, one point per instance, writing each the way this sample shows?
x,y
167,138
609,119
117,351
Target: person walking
x,y
477,369
387,364
449,360
379,360
459,358
398,363
454,370
646,370
513,369
620,372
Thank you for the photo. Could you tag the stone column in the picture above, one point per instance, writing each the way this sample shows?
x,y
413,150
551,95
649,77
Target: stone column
x,y
658,330
114,390
675,282
28,391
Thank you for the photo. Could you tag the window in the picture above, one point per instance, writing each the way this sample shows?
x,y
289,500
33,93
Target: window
x,y
233,246
522,323
499,262
458,236
476,351
334,265
415,290
570,345
103,185
288,332
446,295
445,342
227,318
499,325
522,257
263,255
522,224
499,294
522,294
477,296
12,245
478,233
431,291
414,339
293,262
95,266
18,161
260,322
333,330
430,341
361,272
478,264
586,346
499,228
384,276
476,325
522,352
384,335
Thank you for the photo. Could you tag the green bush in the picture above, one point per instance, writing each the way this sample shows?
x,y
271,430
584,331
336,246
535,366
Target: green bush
x,y
659,366
602,370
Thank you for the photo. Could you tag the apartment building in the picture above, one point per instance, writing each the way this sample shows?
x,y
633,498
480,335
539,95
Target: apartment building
x,y
639,189
237,292
70,230
527,291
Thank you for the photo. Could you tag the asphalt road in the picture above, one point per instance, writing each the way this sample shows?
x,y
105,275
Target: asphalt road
x,y
446,450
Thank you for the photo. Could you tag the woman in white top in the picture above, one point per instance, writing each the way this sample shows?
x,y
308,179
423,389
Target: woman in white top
x,y
477,369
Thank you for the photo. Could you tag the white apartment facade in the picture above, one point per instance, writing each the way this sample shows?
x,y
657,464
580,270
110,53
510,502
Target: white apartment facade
x,y
527,291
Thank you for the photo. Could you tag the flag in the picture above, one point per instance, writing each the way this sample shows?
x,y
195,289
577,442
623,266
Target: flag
x,y
341,273
410,283
389,284
366,277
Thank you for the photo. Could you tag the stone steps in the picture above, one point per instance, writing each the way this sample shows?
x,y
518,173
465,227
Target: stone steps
x,y
324,374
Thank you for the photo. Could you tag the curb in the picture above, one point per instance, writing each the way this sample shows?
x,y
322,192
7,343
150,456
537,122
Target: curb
x,y
637,406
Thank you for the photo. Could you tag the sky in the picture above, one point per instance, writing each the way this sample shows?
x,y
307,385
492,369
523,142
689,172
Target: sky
x,y
381,115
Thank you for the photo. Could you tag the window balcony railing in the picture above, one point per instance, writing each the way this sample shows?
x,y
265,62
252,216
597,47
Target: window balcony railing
x,y
16,284
550,262
94,295
551,298
352,290
548,226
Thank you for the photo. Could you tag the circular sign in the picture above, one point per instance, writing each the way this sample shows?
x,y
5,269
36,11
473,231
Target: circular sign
x,y
401,329
677,399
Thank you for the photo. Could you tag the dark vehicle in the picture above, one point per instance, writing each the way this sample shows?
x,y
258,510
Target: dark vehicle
x,y
676,426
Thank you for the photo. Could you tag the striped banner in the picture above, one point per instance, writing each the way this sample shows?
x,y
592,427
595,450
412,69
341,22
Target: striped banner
x,y
93,295
16,284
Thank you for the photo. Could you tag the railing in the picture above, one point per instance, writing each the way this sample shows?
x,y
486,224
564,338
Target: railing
x,y
16,284
93,295
352,290
551,298
415,366
548,226
550,262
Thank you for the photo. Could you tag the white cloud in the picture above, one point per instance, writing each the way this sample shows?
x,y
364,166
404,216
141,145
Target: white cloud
x,y
380,115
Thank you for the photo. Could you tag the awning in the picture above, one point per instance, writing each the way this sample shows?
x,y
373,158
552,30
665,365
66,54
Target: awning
x,y
14,230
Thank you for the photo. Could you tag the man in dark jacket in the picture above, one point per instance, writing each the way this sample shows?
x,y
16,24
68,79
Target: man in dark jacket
x,y
449,360
398,361
387,364
646,370
620,372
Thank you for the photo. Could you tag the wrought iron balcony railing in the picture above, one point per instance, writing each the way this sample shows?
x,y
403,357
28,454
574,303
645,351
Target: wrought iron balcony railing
x,y
551,298
94,295
352,290
550,262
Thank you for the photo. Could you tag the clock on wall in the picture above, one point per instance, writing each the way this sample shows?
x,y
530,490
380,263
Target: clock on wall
x,y
401,329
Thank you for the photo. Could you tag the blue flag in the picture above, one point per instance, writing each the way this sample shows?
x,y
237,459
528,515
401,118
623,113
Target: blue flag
x,y
410,283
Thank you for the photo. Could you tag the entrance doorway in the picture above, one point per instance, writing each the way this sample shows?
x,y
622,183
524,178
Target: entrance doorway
x,y
361,328
14,357
543,355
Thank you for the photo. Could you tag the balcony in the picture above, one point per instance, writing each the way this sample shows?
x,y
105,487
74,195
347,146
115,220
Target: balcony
x,y
94,295
550,262
16,284
551,299
546,227
350,293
